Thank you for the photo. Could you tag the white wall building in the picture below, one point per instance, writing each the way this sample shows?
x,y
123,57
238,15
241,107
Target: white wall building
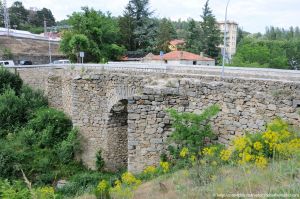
x,y
232,29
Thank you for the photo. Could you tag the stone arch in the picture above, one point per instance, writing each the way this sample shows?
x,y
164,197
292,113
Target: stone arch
x,y
118,93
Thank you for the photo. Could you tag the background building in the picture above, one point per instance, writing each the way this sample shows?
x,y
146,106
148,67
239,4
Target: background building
x,y
179,57
231,37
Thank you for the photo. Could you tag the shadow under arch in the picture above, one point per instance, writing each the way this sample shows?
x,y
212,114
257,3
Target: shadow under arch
x,y
117,132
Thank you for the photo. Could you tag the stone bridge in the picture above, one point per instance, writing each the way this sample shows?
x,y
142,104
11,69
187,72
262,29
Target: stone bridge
x,y
120,110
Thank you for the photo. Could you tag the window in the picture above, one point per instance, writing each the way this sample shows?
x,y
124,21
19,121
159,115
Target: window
x,y
194,62
6,63
166,61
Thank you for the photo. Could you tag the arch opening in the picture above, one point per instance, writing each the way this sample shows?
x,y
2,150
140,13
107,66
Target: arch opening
x,y
117,129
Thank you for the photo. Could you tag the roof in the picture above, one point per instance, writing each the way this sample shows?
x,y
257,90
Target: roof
x,y
176,42
178,55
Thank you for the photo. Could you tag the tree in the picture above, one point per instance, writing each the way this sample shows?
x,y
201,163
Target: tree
x,y
78,43
96,33
193,40
40,16
18,14
210,33
166,33
1,15
137,29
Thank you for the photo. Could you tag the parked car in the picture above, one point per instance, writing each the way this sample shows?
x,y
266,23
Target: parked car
x,y
25,62
62,61
7,63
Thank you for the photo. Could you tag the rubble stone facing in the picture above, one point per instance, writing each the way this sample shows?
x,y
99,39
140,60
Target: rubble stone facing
x,y
96,102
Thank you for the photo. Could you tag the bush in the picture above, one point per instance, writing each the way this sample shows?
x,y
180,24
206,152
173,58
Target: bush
x,y
12,112
51,126
67,148
99,161
191,130
9,80
35,99
16,190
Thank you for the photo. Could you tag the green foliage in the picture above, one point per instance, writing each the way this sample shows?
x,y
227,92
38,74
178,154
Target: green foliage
x,y
52,126
18,15
193,41
268,51
138,30
99,161
12,112
83,182
210,33
16,190
191,130
67,148
95,33
7,54
166,33
9,80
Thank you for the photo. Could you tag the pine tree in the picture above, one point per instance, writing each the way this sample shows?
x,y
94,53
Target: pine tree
x,y
193,40
210,34
1,14
166,33
139,33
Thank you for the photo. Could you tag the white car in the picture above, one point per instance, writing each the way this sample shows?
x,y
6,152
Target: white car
x,y
62,61
7,63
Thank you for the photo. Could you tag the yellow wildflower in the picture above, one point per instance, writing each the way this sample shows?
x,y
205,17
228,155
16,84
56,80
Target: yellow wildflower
x,y
209,151
150,170
225,154
261,162
258,146
102,186
193,158
184,152
45,192
240,143
129,179
165,166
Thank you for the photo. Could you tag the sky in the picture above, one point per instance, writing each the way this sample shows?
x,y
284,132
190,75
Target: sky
x,y
252,15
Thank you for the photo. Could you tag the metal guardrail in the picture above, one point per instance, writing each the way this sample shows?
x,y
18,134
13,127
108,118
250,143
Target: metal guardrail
x,y
28,36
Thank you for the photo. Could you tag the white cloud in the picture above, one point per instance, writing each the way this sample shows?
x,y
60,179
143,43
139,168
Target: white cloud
x,y
252,15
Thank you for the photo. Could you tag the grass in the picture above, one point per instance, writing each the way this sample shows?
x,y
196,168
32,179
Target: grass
x,y
280,177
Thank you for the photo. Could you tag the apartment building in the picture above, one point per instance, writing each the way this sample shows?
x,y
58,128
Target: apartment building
x,y
232,28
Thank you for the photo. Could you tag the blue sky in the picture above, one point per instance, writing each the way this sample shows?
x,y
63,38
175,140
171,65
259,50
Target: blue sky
x,y
252,15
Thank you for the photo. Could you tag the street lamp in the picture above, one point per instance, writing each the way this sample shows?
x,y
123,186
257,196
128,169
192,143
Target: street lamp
x,y
225,42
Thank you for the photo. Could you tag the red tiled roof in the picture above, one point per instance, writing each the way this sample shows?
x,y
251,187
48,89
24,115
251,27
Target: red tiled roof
x,y
176,42
179,55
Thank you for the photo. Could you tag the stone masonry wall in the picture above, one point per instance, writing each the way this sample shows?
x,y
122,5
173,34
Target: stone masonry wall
x,y
92,99
246,106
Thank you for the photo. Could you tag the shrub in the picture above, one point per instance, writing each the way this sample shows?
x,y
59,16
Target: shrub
x,y
15,190
276,142
67,148
102,190
9,80
99,161
191,130
12,112
34,99
52,126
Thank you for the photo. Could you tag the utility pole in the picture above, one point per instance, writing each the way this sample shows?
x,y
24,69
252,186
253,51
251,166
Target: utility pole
x,y
46,33
6,16
225,38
